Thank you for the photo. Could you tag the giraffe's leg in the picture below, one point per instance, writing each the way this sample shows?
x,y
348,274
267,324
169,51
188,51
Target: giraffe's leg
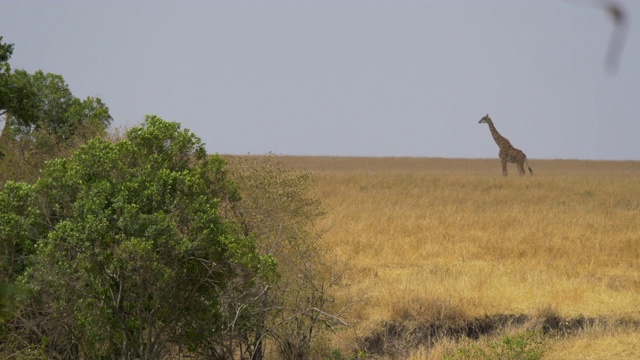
x,y
504,167
521,168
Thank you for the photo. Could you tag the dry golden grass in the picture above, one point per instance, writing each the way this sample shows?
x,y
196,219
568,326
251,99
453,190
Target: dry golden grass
x,y
452,239
597,345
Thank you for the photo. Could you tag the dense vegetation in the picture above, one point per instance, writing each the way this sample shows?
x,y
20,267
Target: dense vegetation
x,y
144,246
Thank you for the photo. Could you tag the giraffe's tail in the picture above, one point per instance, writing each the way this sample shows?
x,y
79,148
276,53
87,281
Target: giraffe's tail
x,y
527,161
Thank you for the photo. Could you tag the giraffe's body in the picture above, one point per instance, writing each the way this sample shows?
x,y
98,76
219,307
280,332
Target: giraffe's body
x,y
507,153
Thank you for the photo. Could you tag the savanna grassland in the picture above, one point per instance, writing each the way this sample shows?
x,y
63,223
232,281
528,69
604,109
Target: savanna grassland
x,y
452,244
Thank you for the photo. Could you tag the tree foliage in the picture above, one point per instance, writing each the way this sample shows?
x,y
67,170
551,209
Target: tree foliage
x,y
6,50
44,101
130,257
42,119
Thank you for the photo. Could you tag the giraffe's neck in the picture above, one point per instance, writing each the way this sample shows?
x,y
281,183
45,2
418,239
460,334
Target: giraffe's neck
x,y
499,139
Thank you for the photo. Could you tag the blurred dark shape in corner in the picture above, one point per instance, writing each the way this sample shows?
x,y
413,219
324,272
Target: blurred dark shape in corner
x,y
618,36
620,19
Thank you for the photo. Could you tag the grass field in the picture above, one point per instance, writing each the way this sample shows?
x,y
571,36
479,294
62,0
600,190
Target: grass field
x,y
447,241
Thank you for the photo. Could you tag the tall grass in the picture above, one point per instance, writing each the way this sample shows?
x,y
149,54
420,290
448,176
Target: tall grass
x,y
448,240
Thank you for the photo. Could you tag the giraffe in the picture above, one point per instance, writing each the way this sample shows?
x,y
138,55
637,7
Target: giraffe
x,y
507,153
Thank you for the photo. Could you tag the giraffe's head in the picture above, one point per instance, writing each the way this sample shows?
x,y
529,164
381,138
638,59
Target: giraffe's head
x,y
485,120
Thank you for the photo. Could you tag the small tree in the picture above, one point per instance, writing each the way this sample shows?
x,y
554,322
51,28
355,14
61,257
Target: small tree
x,y
279,210
42,121
136,257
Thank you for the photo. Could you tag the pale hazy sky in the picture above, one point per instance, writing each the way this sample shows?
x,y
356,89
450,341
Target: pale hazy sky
x,y
349,77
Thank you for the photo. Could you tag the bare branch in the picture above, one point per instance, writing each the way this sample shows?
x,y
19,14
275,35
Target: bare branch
x,y
331,316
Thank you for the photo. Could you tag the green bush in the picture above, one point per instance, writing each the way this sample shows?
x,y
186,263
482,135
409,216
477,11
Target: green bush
x,y
124,249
